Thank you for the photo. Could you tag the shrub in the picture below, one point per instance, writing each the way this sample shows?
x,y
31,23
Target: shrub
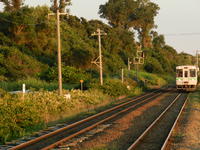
x,y
69,74
114,87
21,115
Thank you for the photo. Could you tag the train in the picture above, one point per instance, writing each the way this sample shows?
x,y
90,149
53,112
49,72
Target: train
x,y
187,77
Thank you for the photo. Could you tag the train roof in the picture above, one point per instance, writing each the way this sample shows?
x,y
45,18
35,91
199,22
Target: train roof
x,y
187,66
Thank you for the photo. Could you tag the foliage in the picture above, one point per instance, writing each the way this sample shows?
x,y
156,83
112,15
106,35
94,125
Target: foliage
x,y
147,79
114,87
152,65
28,46
127,14
21,115
33,84
15,64
12,5
69,74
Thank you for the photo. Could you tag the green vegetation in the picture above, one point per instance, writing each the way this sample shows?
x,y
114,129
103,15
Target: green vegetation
x,y
34,84
21,115
114,87
28,43
28,54
194,100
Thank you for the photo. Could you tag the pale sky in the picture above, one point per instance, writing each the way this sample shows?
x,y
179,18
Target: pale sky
x,y
175,18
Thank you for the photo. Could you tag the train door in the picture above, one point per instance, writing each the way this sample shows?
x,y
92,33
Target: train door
x,y
186,76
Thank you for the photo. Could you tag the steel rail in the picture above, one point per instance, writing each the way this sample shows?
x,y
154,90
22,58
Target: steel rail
x,y
152,124
26,144
170,133
96,124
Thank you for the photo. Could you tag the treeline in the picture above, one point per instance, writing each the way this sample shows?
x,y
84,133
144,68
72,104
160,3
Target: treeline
x,y
28,43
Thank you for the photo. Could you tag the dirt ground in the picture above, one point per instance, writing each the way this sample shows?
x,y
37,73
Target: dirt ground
x,y
112,137
187,133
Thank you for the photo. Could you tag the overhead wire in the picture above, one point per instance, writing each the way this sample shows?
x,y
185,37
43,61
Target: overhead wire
x,y
183,34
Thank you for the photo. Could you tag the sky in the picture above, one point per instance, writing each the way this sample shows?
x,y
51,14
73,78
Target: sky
x,y
177,19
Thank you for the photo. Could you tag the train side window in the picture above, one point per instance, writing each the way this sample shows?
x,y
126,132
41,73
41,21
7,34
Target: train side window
x,y
192,73
179,73
186,74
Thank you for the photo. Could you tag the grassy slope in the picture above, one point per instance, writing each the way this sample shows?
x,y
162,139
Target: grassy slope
x,y
20,115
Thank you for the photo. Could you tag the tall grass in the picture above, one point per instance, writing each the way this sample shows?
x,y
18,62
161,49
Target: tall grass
x,y
34,84
148,79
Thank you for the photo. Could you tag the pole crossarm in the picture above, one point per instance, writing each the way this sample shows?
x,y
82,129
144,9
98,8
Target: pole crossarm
x,y
96,62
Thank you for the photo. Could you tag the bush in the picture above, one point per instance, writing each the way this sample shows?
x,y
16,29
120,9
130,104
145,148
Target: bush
x,y
21,115
17,117
114,87
69,74
152,65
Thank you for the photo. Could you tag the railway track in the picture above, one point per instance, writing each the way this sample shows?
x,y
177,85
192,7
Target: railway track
x,y
157,134
56,138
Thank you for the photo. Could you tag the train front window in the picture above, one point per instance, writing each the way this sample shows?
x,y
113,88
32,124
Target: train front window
x,y
179,73
192,73
186,74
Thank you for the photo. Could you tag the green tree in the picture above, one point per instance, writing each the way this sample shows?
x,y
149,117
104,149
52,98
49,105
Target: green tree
x,y
127,14
118,12
12,5
61,5
143,21
158,40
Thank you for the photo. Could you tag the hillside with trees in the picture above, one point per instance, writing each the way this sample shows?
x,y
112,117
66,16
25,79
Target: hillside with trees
x,y
28,45
28,54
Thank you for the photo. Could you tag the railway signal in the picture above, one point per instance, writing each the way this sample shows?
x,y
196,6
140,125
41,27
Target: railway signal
x,y
139,59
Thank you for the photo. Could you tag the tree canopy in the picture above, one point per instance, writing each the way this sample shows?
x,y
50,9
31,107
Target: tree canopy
x,y
28,45
138,15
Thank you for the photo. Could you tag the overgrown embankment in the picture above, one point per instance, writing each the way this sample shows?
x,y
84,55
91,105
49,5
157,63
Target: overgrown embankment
x,y
21,115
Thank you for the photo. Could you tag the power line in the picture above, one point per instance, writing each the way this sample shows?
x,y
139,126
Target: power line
x,y
183,34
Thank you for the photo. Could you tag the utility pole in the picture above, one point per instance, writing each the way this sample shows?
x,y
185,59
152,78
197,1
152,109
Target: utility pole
x,y
58,14
98,61
197,55
129,65
122,75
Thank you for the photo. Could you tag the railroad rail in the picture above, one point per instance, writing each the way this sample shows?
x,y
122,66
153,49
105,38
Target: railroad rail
x,y
56,138
157,134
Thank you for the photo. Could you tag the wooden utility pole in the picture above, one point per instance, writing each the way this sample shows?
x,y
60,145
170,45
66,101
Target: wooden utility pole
x,y
129,65
122,75
98,61
58,14
197,55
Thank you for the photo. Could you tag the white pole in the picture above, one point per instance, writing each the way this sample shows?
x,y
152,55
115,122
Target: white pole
x,y
59,54
197,58
23,88
100,57
122,75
